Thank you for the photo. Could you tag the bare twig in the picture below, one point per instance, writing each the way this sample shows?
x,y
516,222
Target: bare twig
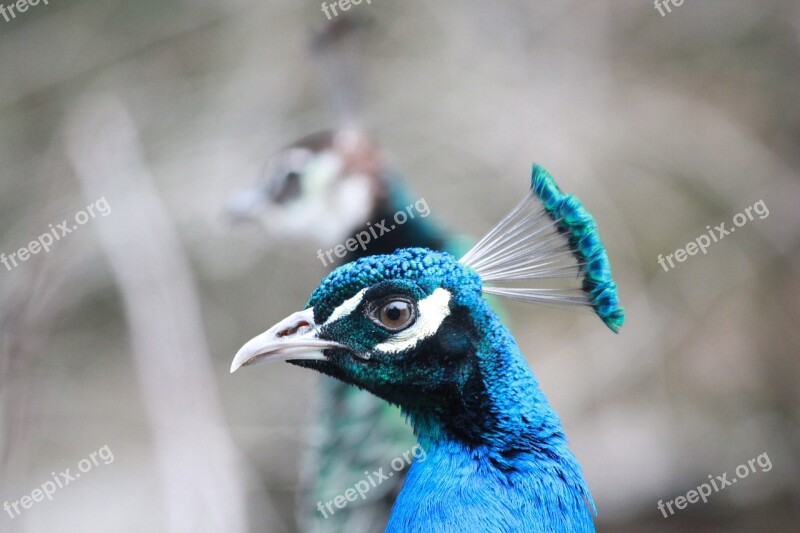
x,y
201,470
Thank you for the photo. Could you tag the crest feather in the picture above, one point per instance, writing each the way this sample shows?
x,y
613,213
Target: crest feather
x,y
552,240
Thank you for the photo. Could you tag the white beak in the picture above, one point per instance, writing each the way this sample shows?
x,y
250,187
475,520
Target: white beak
x,y
293,338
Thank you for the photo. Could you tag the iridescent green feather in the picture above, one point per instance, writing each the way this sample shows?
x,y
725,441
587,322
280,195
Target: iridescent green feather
x,y
573,219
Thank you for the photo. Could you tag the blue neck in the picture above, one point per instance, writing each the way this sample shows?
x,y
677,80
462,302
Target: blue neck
x,y
519,476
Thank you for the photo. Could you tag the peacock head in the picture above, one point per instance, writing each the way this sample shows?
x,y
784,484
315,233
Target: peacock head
x,y
321,187
413,327
401,326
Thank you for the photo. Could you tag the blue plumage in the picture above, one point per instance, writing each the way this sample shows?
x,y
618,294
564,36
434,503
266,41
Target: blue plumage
x,y
499,460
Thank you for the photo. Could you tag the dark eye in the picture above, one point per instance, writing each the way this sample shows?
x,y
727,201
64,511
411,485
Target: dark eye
x,y
395,314
286,189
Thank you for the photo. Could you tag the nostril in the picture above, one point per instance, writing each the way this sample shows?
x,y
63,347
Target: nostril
x,y
294,329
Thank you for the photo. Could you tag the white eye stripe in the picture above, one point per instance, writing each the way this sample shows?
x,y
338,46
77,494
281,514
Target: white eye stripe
x,y
431,313
346,307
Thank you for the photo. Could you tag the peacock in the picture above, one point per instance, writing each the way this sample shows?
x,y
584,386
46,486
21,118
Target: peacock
x,y
414,327
326,188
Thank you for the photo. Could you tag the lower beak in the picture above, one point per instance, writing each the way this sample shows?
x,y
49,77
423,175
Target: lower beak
x,y
293,338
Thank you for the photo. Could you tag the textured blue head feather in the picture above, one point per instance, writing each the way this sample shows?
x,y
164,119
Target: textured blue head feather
x,y
429,269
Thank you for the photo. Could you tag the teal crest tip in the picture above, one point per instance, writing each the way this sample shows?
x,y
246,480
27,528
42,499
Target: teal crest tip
x,y
576,222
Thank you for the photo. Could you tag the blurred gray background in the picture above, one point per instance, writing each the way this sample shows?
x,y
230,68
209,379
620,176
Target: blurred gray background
x,y
661,125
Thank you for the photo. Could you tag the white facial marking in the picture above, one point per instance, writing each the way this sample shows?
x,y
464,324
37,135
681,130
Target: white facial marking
x,y
320,172
346,307
330,208
431,312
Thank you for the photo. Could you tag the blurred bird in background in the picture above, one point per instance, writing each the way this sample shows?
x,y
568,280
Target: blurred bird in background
x,y
326,188
413,328
330,185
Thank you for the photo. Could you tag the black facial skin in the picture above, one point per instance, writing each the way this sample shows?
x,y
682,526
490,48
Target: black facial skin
x,y
438,382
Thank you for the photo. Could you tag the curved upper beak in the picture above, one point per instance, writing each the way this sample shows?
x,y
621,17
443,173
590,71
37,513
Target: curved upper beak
x,y
293,338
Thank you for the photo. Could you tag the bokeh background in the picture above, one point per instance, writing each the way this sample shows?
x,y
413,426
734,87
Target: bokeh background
x,y
123,333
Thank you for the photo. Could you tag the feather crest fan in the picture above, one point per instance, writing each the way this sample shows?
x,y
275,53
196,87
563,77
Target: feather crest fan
x,y
549,239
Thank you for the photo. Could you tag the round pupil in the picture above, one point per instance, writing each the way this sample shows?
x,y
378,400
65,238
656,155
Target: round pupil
x,y
395,314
